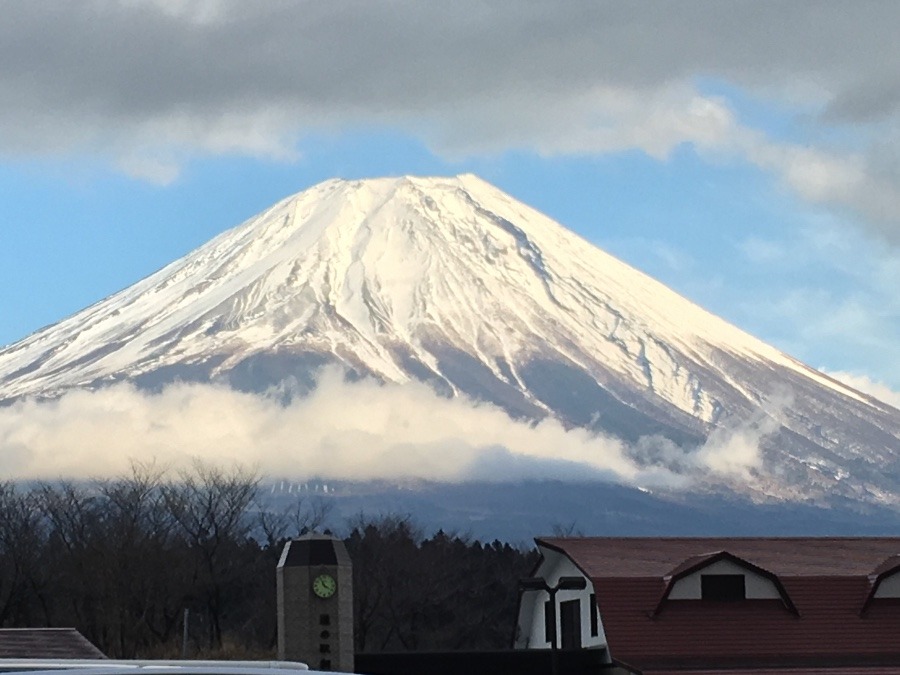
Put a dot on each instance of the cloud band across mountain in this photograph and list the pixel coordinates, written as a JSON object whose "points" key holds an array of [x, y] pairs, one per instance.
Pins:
{"points": [[353, 431]]}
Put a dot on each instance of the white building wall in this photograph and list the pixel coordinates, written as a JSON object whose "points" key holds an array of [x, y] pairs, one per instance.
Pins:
{"points": [[757, 586], [530, 633], [889, 587]]}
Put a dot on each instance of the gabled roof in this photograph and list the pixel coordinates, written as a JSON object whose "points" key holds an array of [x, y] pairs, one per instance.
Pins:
{"points": [[886, 569], [826, 579], [699, 562], [46, 643]]}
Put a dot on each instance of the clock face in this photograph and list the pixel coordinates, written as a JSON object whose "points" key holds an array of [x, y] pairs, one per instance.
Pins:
{"points": [[324, 585]]}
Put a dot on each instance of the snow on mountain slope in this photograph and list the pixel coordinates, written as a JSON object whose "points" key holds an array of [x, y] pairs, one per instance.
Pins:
{"points": [[450, 281]]}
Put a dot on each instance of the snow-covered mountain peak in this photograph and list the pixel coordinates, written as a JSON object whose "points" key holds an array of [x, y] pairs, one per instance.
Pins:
{"points": [[452, 282], [375, 271]]}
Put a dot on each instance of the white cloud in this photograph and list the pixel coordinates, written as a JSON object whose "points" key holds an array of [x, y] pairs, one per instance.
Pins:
{"points": [[599, 119], [867, 385], [736, 449], [360, 430]]}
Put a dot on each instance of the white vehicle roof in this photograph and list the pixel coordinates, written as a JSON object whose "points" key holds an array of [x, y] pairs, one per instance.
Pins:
{"points": [[152, 667]]}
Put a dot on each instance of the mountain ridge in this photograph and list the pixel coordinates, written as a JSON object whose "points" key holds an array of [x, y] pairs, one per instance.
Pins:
{"points": [[184, 268], [452, 282]]}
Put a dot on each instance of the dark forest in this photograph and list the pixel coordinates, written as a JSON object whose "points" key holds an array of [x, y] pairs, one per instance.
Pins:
{"points": [[126, 561]]}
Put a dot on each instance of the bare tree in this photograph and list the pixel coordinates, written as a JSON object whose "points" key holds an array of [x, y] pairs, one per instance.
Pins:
{"points": [[210, 508], [73, 593], [140, 564], [569, 529], [298, 517], [21, 542]]}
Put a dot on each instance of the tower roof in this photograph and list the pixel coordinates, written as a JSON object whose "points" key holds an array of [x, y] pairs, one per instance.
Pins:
{"points": [[314, 549]]}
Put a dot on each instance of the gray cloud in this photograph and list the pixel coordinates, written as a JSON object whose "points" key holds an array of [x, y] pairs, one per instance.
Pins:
{"points": [[150, 83], [133, 58]]}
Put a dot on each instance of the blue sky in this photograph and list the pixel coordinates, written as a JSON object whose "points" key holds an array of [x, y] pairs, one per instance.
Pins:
{"points": [[744, 153]]}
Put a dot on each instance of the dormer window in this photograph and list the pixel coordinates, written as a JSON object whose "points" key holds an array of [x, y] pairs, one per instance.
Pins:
{"points": [[721, 577], [723, 587], [884, 582]]}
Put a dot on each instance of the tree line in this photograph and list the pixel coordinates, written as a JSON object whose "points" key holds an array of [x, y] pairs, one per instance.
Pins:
{"points": [[129, 561]]}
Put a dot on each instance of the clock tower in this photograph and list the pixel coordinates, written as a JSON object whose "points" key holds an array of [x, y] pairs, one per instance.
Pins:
{"points": [[315, 603]]}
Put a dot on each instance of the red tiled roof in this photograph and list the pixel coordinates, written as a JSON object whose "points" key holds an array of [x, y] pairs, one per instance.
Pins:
{"points": [[828, 581], [46, 643], [784, 556], [887, 566]]}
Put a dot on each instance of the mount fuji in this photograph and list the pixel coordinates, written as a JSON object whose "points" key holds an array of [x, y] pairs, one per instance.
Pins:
{"points": [[451, 282]]}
